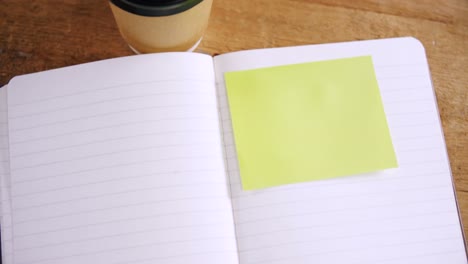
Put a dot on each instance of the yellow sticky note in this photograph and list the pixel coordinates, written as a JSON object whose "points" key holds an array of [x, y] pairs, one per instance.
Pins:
{"points": [[309, 121]]}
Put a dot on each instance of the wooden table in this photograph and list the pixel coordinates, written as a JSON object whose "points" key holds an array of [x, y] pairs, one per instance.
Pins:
{"points": [[39, 35]]}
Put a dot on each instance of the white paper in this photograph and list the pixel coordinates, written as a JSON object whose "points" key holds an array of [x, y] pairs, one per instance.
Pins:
{"points": [[119, 161], [403, 215], [5, 211]]}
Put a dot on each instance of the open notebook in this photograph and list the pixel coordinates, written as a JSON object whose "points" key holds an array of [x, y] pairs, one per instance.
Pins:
{"points": [[131, 160]]}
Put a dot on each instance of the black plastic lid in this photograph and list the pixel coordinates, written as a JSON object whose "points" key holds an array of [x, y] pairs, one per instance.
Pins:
{"points": [[155, 7]]}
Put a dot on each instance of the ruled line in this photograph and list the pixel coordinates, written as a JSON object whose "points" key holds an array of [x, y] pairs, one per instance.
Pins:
{"points": [[77, 132], [399, 101], [341, 237], [276, 192], [399, 77], [123, 220], [114, 139], [422, 255], [55, 162], [245, 208], [115, 180], [14, 180], [349, 250], [104, 114], [103, 102], [285, 216], [133, 247], [412, 88], [408, 113], [117, 235], [178, 80], [414, 125], [381, 178], [107, 208], [178, 256], [103, 195]]}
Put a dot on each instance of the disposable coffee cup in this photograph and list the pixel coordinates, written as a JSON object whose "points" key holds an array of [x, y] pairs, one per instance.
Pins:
{"points": [[161, 25]]}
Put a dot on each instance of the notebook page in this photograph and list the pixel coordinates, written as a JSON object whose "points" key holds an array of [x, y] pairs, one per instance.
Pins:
{"points": [[5, 211], [119, 161], [403, 215]]}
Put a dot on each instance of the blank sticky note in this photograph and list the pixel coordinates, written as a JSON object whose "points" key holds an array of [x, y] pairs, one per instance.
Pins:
{"points": [[310, 121]]}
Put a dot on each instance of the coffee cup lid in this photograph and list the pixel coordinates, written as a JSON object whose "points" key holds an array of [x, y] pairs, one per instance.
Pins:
{"points": [[155, 7]]}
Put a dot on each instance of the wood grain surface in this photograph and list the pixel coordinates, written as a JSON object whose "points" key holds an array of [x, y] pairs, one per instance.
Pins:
{"points": [[37, 35]]}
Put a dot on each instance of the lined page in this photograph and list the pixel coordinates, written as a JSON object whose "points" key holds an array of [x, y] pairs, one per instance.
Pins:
{"points": [[5, 210], [403, 215], [120, 161]]}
